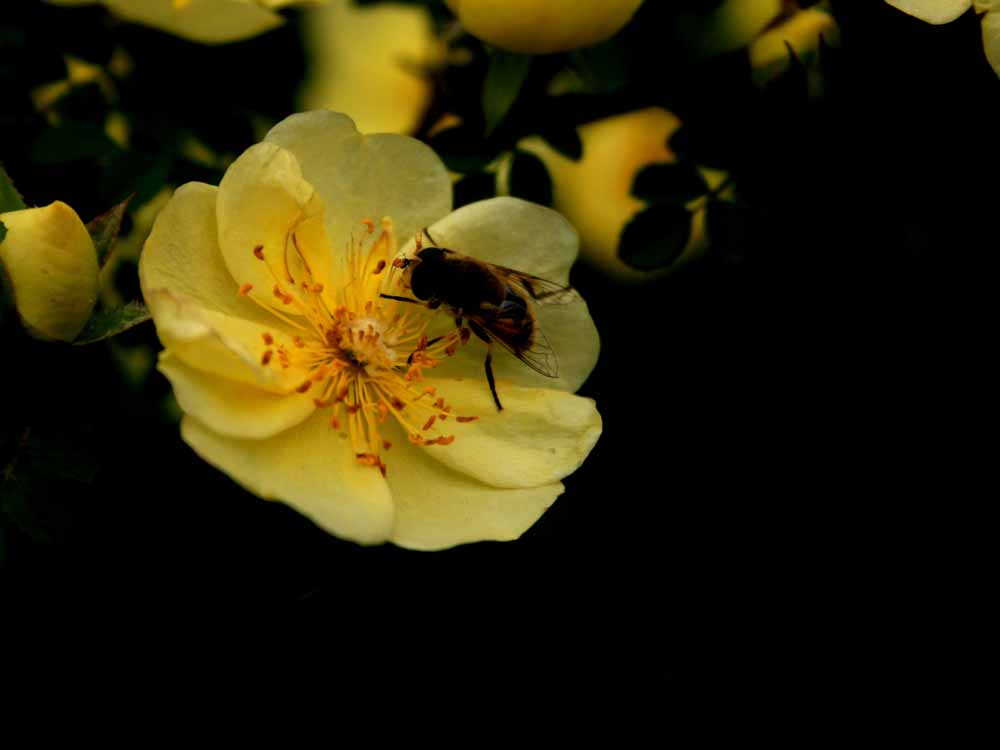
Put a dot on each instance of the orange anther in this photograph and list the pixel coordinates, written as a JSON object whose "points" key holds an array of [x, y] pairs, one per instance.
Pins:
{"points": [[397, 404], [245, 289], [429, 423], [320, 403], [298, 342], [422, 344], [450, 349], [430, 390], [383, 411], [369, 225], [386, 444], [466, 419], [416, 438], [317, 288], [277, 291], [258, 252], [305, 386], [445, 440], [286, 300], [268, 338], [439, 403], [266, 357], [334, 422], [352, 408], [379, 268]]}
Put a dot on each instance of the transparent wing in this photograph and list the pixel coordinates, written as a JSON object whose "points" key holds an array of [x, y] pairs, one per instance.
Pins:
{"points": [[542, 291], [540, 356]]}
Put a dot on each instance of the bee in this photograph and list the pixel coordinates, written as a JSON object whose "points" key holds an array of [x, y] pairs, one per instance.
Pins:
{"points": [[496, 302]]}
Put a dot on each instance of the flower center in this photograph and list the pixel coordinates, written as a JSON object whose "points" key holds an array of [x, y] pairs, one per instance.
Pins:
{"points": [[364, 355]]}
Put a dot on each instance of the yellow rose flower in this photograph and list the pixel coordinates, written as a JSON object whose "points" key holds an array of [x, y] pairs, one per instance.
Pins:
{"points": [[542, 26], [946, 11], [207, 21], [51, 263], [371, 61], [306, 386], [595, 192]]}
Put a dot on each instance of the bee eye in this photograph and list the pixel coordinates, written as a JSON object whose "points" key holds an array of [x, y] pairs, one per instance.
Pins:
{"points": [[430, 254]]}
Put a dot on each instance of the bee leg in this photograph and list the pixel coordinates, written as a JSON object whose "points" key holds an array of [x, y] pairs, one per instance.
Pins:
{"points": [[481, 333], [401, 299], [424, 231]]}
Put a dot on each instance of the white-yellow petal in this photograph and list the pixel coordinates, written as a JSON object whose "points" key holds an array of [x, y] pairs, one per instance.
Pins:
{"points": [[540, 436], [309, 467], [365, 176], [206, 21], [933, 11], [536, 240], [232, 408], [437, 507], [991, 39], [262, 200], [51, 262]]}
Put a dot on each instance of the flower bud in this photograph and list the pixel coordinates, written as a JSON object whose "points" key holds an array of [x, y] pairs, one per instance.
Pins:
{"points": [[51, 263], [542, 26]]}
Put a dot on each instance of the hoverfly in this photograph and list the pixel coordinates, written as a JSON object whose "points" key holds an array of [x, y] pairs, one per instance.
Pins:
{"points": [[496, 302]]}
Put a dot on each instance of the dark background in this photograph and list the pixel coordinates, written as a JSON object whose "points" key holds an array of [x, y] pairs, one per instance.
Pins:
{"points": [[765, 516]]}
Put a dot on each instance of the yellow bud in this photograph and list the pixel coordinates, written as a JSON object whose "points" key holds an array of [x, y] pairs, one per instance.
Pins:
{"points": [[51, 263], [542, 26]]}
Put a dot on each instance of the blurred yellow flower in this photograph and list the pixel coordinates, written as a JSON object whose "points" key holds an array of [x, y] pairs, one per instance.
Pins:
{"points": [[51, 263], [306, 386], [371, 61], [207, 21], [945, 11], [543, 26], [595, 193], [802, 30]]}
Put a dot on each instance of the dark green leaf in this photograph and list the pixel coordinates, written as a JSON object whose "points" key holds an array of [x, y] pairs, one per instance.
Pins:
{"points": [[474, 187], [728, 226], [602, 67], [462, 150], [104, 230], [72, 141], [676, 183], [10, 199], [564, 139], [503, 83], [529, 179], [655, 238], [3, 231], [105, 323]]}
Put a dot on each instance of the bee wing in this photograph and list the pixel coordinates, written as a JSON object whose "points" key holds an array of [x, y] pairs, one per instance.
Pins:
{"points": [[540, 356], [541, 291]]}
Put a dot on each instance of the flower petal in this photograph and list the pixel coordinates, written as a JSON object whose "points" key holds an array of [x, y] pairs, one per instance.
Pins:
{"points": [[991, 39], [230, 408], [933, 11], [365, 176], [540, 436], [198, 312], [309, 467], [263, 203], [437, 507], [534, 239], [207, 21]]}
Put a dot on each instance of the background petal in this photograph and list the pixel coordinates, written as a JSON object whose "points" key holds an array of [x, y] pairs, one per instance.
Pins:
{"points": [[309, 467], [365, 176], [437, 507], [933, 11], [540, 436], [231, 408], [208, 21], [991, 39], [534, 239]]}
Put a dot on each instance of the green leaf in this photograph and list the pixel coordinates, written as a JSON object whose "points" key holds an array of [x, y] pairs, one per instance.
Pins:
{"points": [[474, 187], [503, 82], [655, 238], [564, 138], [105, 323], [72, 141], [676, 183], [462, 150], [529, 179], [728, 227], [104, 230], [10, 199]]}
